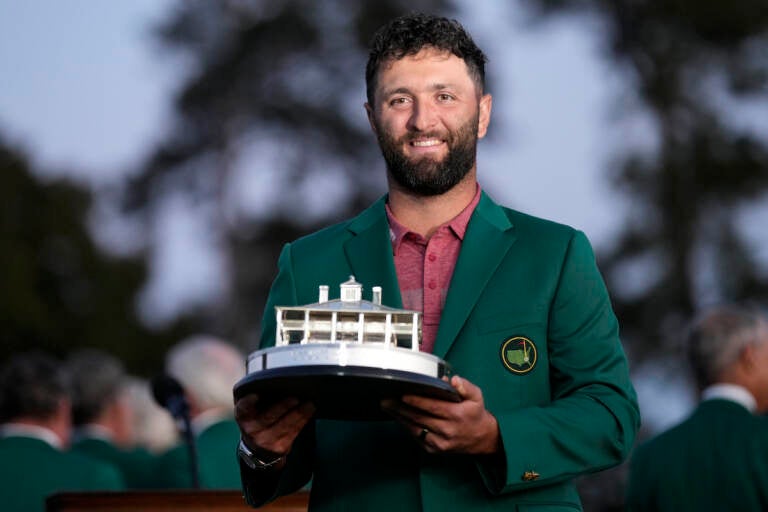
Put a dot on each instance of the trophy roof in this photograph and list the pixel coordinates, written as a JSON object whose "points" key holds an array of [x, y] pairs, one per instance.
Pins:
{"points": [[350, 301], [362, 306]]}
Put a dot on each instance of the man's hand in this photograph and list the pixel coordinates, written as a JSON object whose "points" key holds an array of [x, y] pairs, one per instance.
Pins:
{"points": [[269, 429], [447, 427]]}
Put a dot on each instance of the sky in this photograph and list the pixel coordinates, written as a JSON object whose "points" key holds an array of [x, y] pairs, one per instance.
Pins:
{"points": [[85, 90], [82, 86]]}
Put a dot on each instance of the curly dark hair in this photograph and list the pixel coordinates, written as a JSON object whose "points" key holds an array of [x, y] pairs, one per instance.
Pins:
{"points": [[409, 34]]}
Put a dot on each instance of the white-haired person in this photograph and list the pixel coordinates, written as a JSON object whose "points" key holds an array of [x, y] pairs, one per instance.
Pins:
{"points": [[207, 368], [717, 459]]}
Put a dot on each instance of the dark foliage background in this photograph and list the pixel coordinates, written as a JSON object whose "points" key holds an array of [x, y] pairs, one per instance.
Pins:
{"points": [[689, 60], [59, 291]]}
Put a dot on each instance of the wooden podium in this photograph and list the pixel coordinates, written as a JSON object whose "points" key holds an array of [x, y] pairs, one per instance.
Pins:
{"points": [[166, 501]]}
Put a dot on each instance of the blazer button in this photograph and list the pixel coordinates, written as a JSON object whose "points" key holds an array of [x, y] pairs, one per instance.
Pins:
{"points": [[530, 476]]}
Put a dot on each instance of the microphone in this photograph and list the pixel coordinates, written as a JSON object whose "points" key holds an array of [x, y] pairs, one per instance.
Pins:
{"points": [[169, 394]]}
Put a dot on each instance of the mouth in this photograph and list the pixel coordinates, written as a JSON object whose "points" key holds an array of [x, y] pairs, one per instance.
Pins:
{"points": [[426, 143]]}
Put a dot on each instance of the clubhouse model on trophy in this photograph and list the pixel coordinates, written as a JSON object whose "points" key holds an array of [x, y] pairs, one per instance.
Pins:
{"points": [[346, 355]]}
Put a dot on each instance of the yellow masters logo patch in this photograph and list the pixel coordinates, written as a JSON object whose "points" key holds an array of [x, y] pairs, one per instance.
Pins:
{"points": [[519, 355]]}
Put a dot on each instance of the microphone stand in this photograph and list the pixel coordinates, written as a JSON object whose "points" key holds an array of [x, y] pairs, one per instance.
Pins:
{"points": [[189, 439], [170, 395]]}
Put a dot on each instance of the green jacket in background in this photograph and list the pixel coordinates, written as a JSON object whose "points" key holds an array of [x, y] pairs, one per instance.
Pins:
{"points": [[31, 470], [217, 464], [517, 278], [138, 466], [714, 461]]}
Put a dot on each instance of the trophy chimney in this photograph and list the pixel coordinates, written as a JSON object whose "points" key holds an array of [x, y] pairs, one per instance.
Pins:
{"points": [[323, 293]]}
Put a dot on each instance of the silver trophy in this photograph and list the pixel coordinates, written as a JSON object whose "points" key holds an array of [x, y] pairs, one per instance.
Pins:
{"points": [[346, 355]]}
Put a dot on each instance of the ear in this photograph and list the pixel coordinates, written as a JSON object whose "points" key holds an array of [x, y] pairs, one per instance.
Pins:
{"points": [[371, 117], [748, 358], [484, 116]]}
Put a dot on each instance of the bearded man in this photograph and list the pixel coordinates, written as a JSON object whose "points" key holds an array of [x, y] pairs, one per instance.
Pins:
{"points": [[489, 281]]}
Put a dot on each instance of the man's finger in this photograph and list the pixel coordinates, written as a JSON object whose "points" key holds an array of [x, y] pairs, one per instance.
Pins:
{"points": [[278, 437], [279, 409], [466, 390], [246, 403], [263, 414]]}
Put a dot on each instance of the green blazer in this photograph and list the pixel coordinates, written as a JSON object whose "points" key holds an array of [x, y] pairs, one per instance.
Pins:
{"points": [[31, 470], [138, 466], [518, 281], [217, 465], [716, 460]]}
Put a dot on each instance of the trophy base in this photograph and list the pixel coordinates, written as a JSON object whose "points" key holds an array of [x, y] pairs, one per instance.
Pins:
{"points": [[343, 392]]}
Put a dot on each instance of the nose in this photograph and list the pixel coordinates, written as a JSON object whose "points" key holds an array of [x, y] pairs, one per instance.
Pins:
{"points": [[423, 117]]}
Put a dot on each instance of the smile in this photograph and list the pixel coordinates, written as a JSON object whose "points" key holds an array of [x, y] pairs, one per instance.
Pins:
{"points": [[426, 143]]}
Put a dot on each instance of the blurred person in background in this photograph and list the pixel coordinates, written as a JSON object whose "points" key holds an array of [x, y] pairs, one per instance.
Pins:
{"points": [[103, 416], [153, 427], [207, 368], [35, 431], [717, 459]]}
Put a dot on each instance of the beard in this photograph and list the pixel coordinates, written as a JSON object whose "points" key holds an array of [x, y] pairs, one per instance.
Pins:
{"points": [[426, 176]]}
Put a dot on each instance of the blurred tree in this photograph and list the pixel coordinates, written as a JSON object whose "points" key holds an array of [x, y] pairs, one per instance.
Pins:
{"points": [[272, 108], [58, 290], [696, 66]]}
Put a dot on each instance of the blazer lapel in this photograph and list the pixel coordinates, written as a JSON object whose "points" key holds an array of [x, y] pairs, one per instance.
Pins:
{"points": [[369, 254], [489, 236]]}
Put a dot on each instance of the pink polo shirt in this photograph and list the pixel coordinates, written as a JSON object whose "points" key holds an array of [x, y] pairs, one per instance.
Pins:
{"points": [[425, 267]]}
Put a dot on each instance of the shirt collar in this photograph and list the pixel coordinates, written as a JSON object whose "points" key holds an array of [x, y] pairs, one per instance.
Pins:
{"points": [[33, 431], [732, 392], [458, 225]]}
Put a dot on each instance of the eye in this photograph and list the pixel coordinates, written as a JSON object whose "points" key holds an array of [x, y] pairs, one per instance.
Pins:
{"points": [[444, 96], [400, 100]]}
